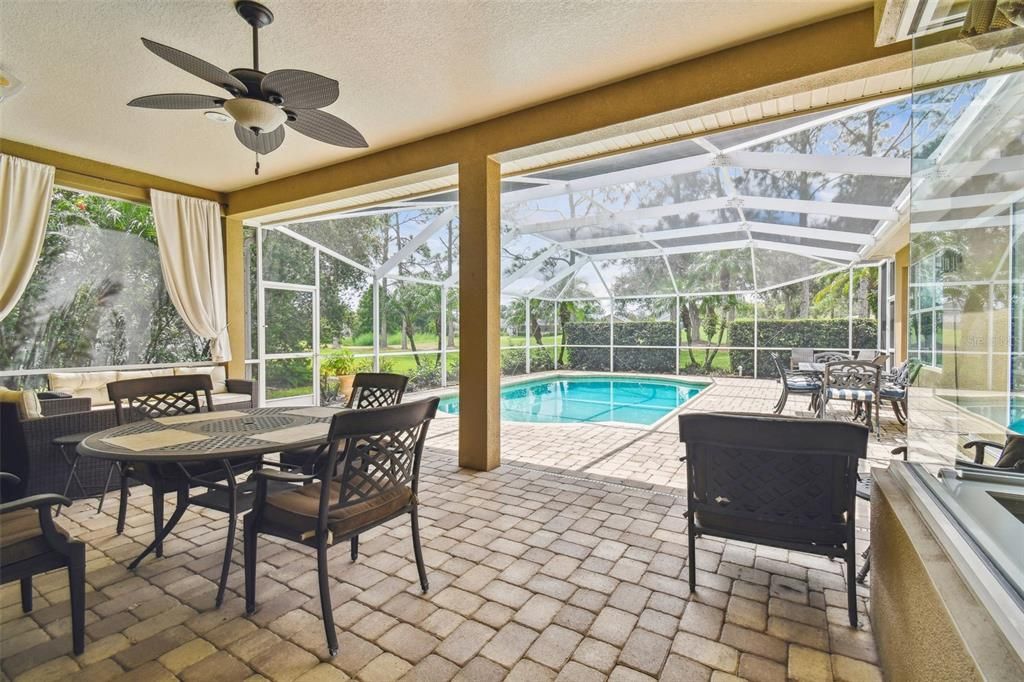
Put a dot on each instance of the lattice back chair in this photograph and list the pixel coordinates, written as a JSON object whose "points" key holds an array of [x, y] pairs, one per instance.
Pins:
{"points": [[781, 481], [166, 396], [796, 382], [858, 382], [370, 476], [369, 389], [377, 389], [150, 398], [171, 396]]}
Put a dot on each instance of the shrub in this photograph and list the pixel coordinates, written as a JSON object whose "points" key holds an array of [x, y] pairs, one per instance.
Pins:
{"points": [[338, 362], [813, 333], [424, 377], [655, 360], [513, 360]]}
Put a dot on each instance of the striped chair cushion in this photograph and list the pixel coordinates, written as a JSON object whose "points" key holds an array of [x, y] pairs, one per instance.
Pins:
{"points": [[893, 393], [862, 395], [802, 384]]}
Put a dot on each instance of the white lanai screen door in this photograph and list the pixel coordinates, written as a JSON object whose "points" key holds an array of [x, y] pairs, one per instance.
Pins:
{"points": [[288, 326]]}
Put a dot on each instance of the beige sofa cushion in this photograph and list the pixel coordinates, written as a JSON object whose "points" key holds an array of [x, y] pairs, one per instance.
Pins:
{"points": [[94, 384], [84, 385], [124, 375], [217, 374]]}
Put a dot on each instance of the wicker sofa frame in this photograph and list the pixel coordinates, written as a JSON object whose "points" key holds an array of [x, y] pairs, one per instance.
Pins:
{"points": [[28, 452]]}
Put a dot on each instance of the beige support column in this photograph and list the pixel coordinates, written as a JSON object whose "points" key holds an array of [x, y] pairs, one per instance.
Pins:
{"points": [[902, 292], [234, 280], [479, 320]]}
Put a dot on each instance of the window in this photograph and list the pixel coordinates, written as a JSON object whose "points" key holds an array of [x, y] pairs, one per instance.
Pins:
{"points": [[97, 295], [926, 309]]}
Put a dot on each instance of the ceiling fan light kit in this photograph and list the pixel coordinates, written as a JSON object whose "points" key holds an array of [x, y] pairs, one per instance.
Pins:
{"points": [[255, 114], [260, 103]]}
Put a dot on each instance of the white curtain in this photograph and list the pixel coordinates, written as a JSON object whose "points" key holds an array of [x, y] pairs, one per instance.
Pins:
{"points": [[25, 192], [189, 235]]}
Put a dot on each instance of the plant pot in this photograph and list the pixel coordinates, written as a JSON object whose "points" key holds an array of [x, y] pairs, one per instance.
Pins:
{"points": [[345, 385]]}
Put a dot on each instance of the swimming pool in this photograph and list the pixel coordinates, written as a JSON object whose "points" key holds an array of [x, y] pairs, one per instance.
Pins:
{"points": [[629, 400]]}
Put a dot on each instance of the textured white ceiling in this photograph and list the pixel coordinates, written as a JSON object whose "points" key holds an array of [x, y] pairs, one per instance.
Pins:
{"points": [[407, 68]]}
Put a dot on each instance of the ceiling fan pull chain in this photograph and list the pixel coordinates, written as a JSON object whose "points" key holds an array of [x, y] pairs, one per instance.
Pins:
{"points": [[257, 163]]}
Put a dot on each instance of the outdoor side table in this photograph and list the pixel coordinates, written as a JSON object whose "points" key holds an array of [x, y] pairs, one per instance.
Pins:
{"points": [[222, 437], [71, 441]]}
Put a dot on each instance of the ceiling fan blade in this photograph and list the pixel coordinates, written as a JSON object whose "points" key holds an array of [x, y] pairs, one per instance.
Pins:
{"points": [[177, 101], [264, 143], [300, 89], [197, 67], [326, 128]]}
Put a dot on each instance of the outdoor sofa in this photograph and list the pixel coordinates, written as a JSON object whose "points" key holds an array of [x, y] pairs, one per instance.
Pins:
{"points": [[27, 446]]}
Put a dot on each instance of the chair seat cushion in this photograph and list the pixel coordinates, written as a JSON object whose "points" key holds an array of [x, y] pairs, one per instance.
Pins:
{"points": [[21, 537], [851, 394], [893, 393], [296, 510], [803, 384]]}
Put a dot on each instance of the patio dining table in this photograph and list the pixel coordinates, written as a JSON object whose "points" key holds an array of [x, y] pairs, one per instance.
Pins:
{"points": [[225, 437]]}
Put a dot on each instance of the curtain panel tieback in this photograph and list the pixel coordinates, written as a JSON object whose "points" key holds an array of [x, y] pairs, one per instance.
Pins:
{"points": [[191, 243], [26, 188]]}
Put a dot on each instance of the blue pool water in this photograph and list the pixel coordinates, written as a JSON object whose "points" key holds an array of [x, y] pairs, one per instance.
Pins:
{"points": [[589, 399]]}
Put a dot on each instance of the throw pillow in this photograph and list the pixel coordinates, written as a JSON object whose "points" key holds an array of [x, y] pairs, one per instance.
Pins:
{"points": [[27, 402], [30, 407]]}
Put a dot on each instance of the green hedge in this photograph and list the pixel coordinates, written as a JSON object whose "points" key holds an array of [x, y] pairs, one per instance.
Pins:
{"points": [[513, 361], [656, 360], [813, 333]]}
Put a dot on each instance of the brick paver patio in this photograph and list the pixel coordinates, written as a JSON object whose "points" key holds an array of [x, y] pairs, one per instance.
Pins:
{"points": [[566, 563]]}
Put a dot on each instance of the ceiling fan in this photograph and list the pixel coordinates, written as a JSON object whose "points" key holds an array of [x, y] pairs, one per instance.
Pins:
{"points": [[261, 104]]}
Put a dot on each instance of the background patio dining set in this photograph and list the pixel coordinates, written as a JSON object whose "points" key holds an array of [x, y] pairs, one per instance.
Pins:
{"points": [[863, 382]]}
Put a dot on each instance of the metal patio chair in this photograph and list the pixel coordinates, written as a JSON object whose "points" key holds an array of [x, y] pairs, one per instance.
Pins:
{"points": [[827, 356], [374, 479], [168, 396], [780, 481], [31, 543], [796, 382], [369, 389], [857, 382]]}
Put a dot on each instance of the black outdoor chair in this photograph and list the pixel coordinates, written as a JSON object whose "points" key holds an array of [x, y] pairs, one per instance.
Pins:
{"points": [[780, 481], [373, 480], [169, 396], [858, 382], [796, 382], [369, 389], [31, 543], [1010, 454]]}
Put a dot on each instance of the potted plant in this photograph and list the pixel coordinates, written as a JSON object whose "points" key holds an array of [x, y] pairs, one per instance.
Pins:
{"points": [[343, 365]]}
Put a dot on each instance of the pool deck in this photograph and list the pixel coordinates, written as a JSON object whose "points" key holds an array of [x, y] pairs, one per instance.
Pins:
{"points": [[566, 563]]}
